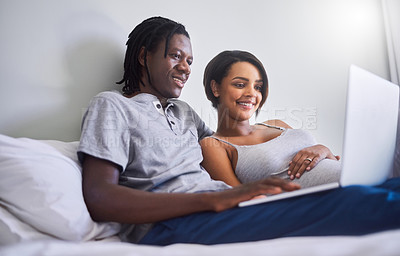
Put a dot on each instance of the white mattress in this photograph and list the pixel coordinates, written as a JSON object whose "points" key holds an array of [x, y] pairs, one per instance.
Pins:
{"points": [[384, 243]]}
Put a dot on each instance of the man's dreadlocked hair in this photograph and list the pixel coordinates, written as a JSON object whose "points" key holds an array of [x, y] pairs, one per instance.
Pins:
{"points": [[147, 34]]}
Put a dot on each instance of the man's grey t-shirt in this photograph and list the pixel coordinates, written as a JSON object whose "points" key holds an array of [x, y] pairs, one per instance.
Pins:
{"points": [[156, 149]]}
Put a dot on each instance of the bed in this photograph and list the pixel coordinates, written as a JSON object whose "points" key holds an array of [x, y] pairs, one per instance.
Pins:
{"points": [[42, 212]]}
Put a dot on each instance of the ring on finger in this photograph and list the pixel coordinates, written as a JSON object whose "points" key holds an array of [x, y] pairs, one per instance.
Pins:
{"points": [[308, 159]]}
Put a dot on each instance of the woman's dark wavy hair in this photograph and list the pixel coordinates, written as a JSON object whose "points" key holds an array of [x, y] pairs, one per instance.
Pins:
{"points": [[219, 67], [147, 34]]}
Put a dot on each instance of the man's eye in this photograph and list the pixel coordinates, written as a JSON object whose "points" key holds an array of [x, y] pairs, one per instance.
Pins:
{"points": [[176, 56]]}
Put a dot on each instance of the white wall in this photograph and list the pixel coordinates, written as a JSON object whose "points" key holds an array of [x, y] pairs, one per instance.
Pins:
{"points": [[55, 55]]}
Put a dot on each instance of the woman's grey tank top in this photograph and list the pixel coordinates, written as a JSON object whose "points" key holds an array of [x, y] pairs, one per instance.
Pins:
{"points": [[272, 158]]}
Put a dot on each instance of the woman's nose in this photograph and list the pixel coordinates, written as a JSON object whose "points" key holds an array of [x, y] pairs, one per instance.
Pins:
{"points": [[251, 91]]}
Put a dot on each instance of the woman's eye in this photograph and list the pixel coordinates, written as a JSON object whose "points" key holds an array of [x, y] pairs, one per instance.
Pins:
{"points": [[258, 87], [239, 85]]}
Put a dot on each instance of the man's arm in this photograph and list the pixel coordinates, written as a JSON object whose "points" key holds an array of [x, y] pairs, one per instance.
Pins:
{"points": [[108, 201]]}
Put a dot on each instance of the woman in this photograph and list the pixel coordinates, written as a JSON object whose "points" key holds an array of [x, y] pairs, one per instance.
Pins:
{"points": [[237, 85]]}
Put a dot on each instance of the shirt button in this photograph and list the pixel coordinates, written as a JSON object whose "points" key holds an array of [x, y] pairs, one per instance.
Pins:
{"points": [[158, 106], [172, 122]]}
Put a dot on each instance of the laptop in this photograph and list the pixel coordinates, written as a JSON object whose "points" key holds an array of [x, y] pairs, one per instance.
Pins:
{"points": [[369, 141]]}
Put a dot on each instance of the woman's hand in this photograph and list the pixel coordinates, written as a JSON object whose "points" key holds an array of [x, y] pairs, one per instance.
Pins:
{"points": [[308, 158]]}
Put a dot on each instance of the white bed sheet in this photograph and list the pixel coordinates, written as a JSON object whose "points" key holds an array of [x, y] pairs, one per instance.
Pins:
{"points": [[382, 244]]}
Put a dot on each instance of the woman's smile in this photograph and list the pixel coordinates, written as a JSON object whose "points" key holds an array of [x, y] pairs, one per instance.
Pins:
{"points": [[246, 105]]}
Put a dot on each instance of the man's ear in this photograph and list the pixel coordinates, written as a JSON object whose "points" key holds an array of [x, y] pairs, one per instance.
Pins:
{"points": [[141, 56], [214, 88]]}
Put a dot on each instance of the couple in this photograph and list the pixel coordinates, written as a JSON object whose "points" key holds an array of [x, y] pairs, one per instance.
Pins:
{"points": [[142, 160]]}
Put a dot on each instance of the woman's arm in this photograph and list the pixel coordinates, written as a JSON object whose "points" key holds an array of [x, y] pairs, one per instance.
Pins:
{"points": [[217, 163], [108, 201]]}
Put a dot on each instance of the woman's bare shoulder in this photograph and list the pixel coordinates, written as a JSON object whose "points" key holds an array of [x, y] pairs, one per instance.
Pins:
{"points": [[210, 142], [277, 122]]}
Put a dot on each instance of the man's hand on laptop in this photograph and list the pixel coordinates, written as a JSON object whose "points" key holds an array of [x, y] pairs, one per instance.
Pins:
{"points": [[230, 198]]}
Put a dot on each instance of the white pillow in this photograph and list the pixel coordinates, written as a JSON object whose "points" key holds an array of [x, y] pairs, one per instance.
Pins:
{"points": [[40, 185], [12, 230]]}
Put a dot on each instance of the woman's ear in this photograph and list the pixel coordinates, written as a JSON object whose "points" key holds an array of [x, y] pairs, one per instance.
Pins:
{"points": [[141, 56], [214, 88]]}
